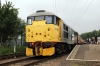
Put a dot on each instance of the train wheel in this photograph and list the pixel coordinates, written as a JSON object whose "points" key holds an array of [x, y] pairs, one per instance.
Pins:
{"points": [[63, 48], [58, 49]]}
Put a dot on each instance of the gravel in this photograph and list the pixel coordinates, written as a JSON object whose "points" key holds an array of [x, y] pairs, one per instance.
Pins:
{"points": [[54, 62]]}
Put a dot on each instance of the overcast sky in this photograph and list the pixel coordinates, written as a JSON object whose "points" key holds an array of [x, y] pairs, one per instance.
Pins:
{"points": [[82, 15]]}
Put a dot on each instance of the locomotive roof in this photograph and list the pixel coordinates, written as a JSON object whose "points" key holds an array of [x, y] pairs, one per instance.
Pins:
{"points": [[42, 12]]}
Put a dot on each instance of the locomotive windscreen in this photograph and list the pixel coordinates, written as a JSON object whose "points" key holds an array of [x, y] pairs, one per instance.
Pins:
{"points": [[49, 19]]}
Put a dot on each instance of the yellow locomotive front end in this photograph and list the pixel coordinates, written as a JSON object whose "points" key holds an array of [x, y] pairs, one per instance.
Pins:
{"points": [[42, 33]]}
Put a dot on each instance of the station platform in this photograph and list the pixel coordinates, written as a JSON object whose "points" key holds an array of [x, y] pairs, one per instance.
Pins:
{"points": [[87, 52]]}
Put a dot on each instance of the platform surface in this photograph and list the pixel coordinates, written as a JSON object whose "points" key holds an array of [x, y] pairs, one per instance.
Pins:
{"points": [[85, 52]]}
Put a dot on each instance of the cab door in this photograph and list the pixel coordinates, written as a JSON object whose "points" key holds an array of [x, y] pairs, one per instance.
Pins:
{"points": [[60, 29]]}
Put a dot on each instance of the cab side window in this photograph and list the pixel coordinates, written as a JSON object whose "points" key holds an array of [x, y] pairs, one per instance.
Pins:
{"points": [[56, 21]]}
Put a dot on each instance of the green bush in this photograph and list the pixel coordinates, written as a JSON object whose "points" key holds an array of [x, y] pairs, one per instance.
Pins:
{"points": [[10, 50]]}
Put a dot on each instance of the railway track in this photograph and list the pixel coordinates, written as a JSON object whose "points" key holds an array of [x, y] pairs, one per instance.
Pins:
{"points": [[28, 61], [9, 56]]}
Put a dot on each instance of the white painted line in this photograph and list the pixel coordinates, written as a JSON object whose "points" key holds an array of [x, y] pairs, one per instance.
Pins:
{"points": [[83, 60], [71, 52]]}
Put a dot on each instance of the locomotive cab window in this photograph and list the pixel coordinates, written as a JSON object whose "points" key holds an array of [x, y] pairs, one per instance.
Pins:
{"points": [[39, 17], [29, 20], [48, 19]]}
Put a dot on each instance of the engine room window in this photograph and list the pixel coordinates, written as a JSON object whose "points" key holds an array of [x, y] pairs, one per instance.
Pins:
{"points": [[39, 18], [48, 19]]}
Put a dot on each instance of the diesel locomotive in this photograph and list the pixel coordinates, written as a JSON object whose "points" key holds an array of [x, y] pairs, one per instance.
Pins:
{"points": [[47, 34]]}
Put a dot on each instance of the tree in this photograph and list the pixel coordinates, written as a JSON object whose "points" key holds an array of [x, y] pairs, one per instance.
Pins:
{"points": [[2, 25], [10, 15], [22, 29], [10, 24], [19, 29], [90, 34], [99, 33]]}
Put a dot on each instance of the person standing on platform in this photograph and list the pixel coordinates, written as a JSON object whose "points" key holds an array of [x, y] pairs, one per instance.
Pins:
{"points": [[91, 40], [95, 37]]}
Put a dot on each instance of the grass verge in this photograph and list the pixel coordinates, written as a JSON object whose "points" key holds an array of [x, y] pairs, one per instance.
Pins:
{"points": [[10, 50]]}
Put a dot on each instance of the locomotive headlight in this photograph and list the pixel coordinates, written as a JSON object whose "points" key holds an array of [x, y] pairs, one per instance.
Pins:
{"points": [[31, 43], [45, 35], [28, 30], [32, 36], [48, 29]]}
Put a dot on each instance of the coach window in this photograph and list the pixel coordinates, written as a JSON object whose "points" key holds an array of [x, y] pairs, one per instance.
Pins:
{"points": [[48, 19]]}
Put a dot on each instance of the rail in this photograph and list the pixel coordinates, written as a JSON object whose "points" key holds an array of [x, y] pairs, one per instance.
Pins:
{"points": [[14, 55]]}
